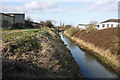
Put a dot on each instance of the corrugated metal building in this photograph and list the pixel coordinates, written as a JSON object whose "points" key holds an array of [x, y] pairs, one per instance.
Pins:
{"points": [[9, 19], [6, 20], [18, 18]]}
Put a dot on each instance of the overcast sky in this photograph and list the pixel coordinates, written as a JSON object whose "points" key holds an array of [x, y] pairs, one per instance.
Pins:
{"points": [[71, 12]]}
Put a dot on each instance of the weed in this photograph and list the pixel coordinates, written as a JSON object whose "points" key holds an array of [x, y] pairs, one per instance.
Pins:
{"points": [[26, 43], [46, 34]]}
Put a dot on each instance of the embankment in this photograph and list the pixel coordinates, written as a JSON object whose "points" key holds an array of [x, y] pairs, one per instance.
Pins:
{"points": [[37, 53], [102, 43]]}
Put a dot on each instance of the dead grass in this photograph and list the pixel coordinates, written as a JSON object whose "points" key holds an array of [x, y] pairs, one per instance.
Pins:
{"points": [[105, 39]]}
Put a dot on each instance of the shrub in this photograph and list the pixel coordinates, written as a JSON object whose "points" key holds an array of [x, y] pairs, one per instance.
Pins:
{"points": [[72, 31], [68, 26], [49, 24]]}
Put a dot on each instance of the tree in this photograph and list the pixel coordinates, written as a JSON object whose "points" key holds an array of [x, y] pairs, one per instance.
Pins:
{"points": [[29, 19], [57, 27], [49, 24], [68, 26], [93, 23], [63, 24], [29, 22], [60, 24], [53, 22], [42, 23]]}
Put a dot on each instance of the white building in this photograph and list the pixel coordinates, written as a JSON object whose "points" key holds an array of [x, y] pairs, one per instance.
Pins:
{"points": [[82, 26], [109, 24]]}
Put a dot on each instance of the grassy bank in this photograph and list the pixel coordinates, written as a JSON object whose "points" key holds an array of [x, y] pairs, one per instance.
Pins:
{"points": [[102, 43], [36, 53]]}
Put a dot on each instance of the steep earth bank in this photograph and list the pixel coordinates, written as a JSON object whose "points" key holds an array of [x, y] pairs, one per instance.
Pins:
{"points": [[37, 53]]}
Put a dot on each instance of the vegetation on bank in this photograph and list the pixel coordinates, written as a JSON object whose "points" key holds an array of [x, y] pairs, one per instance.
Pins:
{"points": [[9, 35], [36, 53], [106, 39], [72, 30], [65, 27]]}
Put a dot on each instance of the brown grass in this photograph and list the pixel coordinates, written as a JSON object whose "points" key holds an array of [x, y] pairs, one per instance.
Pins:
{"points": [[105, 39], [103, 55]]}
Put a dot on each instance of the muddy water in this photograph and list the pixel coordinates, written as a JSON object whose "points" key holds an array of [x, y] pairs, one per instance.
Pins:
{"points": [[89, 66]]}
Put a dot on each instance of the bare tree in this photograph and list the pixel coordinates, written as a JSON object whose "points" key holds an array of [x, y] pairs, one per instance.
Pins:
{"points": [[53, 22], [42, 23], [29, 19], [49, 23], [29, 22], [93, 23]]}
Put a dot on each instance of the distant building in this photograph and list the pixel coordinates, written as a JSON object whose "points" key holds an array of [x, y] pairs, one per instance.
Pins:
{"points": [[82, 25], [109, 24], [9, 19], [6, 20], [18, 18]]}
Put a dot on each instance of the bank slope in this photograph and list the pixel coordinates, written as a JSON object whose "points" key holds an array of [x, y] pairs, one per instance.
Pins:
{"points": [[104, 44], [37, 53]]}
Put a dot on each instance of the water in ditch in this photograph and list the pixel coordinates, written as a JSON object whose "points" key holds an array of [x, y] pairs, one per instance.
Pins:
{"points": [[89, 66]]}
